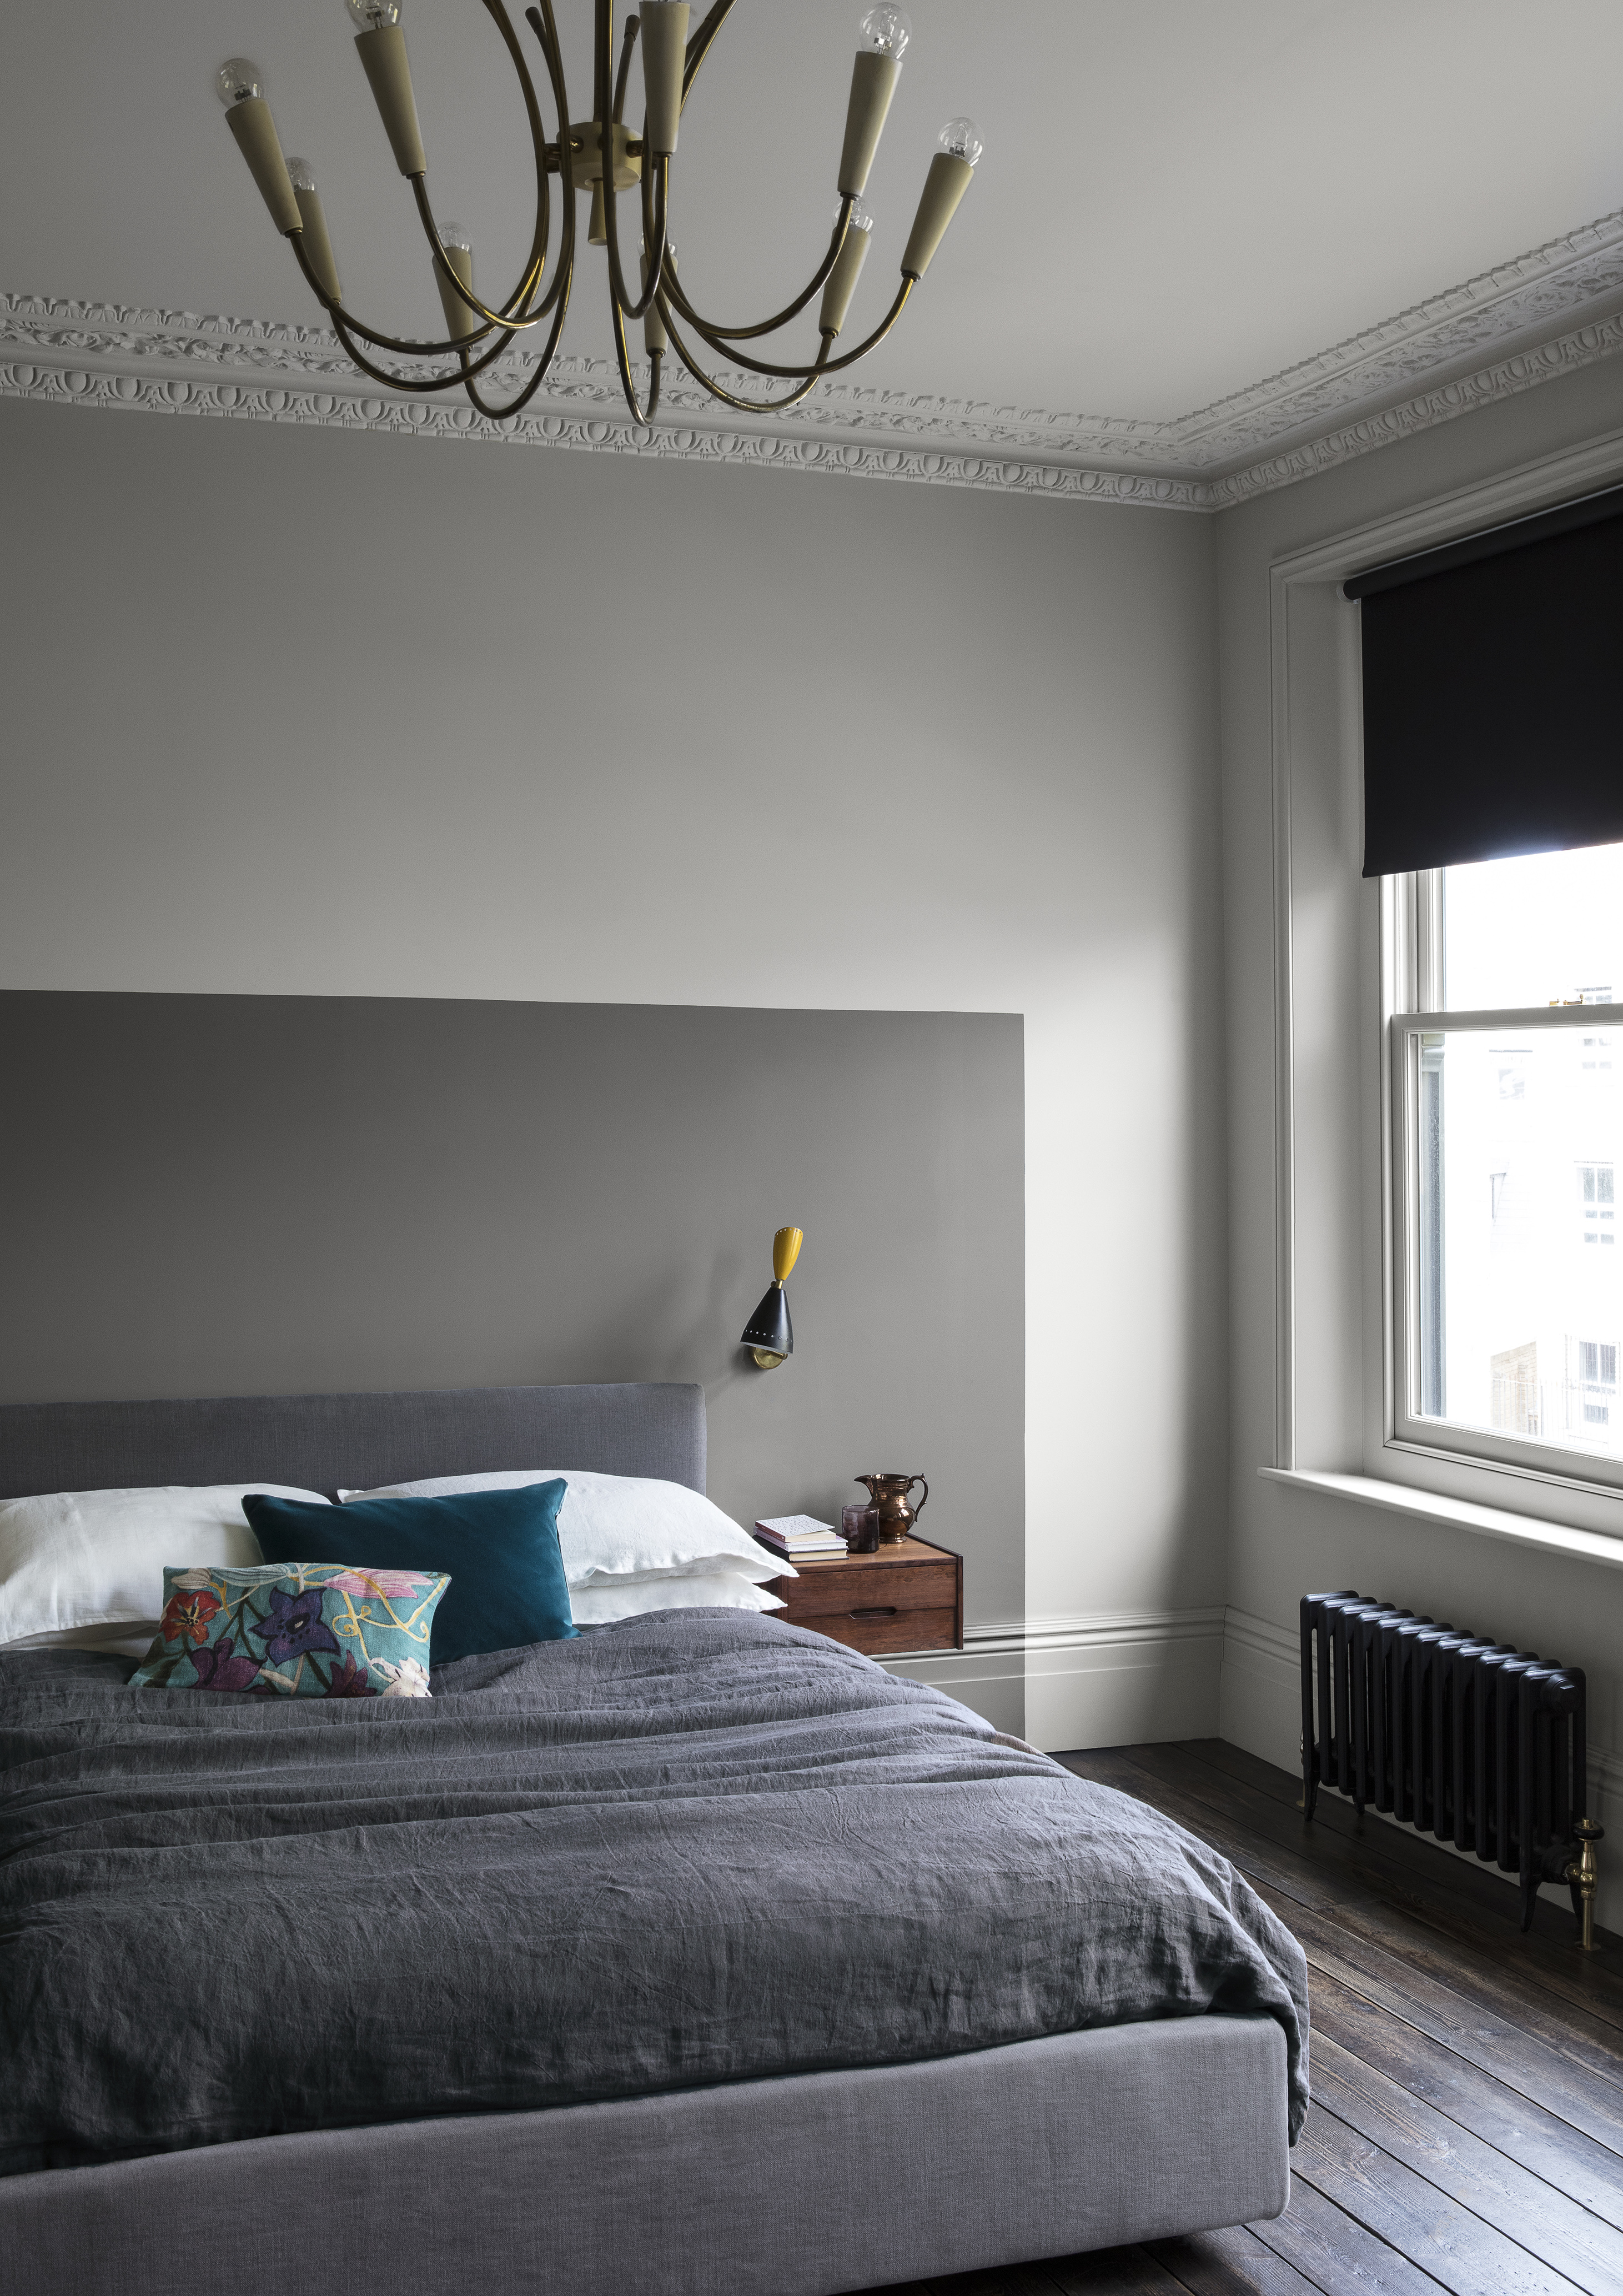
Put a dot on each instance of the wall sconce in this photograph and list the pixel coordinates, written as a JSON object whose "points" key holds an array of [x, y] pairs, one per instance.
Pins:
{"points": [[769, 1333]]}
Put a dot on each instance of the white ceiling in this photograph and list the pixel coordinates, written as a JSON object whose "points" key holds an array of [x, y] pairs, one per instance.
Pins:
{"points": [[1178, 198]]}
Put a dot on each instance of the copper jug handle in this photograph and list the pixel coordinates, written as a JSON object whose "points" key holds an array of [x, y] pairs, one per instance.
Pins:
{"points": [[919, 1510]]}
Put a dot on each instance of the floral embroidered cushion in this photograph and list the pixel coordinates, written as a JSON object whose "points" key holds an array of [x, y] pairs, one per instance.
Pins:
{"points": [[295, 1630]]}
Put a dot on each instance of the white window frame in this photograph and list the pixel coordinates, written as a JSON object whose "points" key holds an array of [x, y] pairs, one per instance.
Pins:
{"points": [[1347, 955], [1408, 1430]]}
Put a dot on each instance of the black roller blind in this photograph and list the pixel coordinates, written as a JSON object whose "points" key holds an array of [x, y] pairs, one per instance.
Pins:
{"points": [[1492, 693]]}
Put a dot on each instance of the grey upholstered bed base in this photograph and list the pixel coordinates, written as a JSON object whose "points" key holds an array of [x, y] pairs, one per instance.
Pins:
{"points": [[802, 2186]]}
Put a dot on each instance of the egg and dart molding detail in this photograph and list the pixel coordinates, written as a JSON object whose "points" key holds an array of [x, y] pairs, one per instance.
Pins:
{"points": [[603, 155]]}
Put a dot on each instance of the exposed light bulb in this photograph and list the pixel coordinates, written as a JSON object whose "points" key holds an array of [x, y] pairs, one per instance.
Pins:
{"points": [[301, 175], [961, 139], [861, 220], [236, 80], [886, 30], [452, 235], [373, 15]]}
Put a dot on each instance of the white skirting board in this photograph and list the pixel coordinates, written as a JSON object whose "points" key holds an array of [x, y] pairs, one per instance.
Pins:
{"points": [[1115, 1679], [1261, 1711]]}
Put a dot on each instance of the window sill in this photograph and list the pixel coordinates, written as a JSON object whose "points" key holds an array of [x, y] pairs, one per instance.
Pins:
{"points": [[1462, 1515]]}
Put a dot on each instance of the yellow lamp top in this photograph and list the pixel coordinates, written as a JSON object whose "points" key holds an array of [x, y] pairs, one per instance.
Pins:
{"points": [[785, 1251]]}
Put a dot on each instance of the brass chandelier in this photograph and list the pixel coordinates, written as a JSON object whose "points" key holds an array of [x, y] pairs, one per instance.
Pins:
{"points": [[603, 154]]}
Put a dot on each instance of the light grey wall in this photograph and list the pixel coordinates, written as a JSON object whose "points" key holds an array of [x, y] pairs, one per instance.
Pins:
{"points": [[1285, 1542], [227, 1195], [300, 712]]}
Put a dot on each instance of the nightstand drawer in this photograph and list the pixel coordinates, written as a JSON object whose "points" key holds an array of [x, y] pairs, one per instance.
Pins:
{"points": [[871, 1629], [837, 1589]]}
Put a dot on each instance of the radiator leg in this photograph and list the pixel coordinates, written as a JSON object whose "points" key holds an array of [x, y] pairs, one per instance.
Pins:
{"points": [[1583, 1875], [1529, 1899], [1310, 1779]]}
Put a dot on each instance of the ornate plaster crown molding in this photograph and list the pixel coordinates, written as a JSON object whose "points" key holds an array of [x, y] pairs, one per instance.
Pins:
{"points": [[1558, 308]]}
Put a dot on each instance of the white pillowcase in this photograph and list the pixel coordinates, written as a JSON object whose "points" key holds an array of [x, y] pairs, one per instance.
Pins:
{"points": [[608, 1599], [73, 1561], [621, 1527]]}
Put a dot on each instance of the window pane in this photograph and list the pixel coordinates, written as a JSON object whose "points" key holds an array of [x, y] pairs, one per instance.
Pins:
{"points": [[1544, 930], [1521, 1275]]}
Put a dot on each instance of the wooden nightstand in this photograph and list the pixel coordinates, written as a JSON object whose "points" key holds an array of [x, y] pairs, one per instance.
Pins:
{"points": [[902, 1598]]}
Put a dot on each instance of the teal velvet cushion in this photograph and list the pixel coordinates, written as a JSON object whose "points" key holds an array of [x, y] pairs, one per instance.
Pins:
{"points": [[507, 1587], [295, 1630]]}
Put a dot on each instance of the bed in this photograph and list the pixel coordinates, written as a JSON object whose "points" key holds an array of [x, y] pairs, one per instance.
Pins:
{"points": [[697, 1955]]}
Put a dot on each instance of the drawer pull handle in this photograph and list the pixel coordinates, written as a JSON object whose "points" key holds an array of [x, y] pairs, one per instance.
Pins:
{"points": [[887, 1611]]}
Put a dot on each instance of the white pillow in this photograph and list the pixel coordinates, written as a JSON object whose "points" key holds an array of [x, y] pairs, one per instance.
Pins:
{"points": [[620, 1527], [608, 1599], [78, 1559]]}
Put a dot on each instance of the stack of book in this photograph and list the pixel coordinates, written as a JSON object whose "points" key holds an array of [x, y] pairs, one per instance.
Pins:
{"points": [[800, 1538]]}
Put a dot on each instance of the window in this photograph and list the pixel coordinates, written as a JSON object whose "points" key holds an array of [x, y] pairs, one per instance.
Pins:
{"points": [[1591, 1395], [1507, 1135], [1599, 1206]]}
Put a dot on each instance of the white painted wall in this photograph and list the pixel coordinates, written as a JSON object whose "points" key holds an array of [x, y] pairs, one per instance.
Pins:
{"points": [[297, 711], [1286, 1542]]}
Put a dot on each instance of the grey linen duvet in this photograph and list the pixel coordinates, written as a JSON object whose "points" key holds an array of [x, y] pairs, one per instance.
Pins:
{"points": [[698, 1846]]}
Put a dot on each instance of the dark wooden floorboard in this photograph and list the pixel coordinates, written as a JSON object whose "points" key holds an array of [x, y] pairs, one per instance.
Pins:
{"points": [[1499, 2190], [1472, 1898], [1586, 2100], [1297, 1858], [1409, 2212], [1561, 2155], [1466, 2132], [1339, 2254]]}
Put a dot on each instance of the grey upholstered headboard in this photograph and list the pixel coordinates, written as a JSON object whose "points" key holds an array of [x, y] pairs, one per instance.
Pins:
{"points": [[321, 1442]]}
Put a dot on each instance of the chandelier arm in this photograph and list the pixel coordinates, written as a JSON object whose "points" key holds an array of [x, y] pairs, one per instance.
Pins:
{"points": [[824, 366], [602, 59], [344, 326], [348, 324], [513, 310], [638, 414], [711, 332], [514, 313], [749, 405], [516, 406], [699, 45], [634, 25], [349, 327], [543, 24], [872, 341], [654, 239]]}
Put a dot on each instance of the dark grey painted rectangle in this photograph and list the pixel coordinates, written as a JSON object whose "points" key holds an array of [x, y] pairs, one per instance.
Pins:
{"points": [[231, 1195]]}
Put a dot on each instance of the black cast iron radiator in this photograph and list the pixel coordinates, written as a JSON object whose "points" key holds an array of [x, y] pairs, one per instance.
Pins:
{"points": [[1475, 1741]]}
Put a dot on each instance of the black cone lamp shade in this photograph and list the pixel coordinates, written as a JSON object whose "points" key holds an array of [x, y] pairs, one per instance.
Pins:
{"points": [[769, 1332]]}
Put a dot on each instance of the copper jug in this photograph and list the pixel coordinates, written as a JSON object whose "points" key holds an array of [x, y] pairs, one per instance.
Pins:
{"points": [[889, 1493]]}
